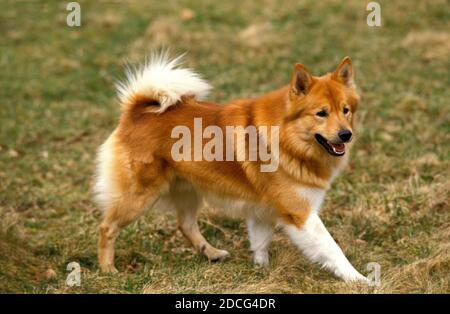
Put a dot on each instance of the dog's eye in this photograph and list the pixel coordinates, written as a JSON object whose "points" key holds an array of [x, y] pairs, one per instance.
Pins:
{"points": [[346, 110], [322, 113]]}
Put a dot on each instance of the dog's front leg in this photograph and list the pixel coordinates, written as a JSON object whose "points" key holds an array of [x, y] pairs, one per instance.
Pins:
{"points": [[314, 240], [260, 235]]}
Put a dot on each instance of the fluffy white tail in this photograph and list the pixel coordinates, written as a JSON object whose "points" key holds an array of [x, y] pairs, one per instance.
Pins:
{"points": [[161, 79]]}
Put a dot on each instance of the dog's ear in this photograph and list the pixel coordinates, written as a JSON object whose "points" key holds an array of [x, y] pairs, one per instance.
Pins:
{"points": [[344, 73], [301, 80]]}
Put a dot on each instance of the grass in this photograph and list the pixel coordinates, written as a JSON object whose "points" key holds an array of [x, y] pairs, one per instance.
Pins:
{"points": [[391, 206]]}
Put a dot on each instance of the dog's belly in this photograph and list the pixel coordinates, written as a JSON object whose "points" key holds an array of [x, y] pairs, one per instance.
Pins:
{"points": [[230, 206], [237, 207]]}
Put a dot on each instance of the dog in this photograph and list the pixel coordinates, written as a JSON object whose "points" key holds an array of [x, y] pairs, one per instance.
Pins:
{"points": [[136, 167]]}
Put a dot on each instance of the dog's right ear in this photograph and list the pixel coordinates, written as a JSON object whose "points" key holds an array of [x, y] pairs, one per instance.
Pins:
{"points": [[344, 73], [301, 80]]}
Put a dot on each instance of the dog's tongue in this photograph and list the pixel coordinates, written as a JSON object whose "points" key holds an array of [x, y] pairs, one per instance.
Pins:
{"points": [[338, 148]]}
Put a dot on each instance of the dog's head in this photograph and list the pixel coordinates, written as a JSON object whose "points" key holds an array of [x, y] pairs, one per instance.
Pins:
{"points": [[321, 109]]}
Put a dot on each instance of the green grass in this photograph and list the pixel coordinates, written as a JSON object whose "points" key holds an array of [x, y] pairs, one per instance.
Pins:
{"points": [[391, 206]]}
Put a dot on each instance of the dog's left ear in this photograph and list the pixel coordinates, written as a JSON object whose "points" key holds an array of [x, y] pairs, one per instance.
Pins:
{"points": [[344, 73]]}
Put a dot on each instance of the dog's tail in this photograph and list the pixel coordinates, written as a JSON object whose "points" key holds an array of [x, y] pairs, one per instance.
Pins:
{"points": [[160, 82]]}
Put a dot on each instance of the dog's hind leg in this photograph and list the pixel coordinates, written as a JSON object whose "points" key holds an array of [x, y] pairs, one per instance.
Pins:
{"points": [[124, 189], [117, 216], [187, 202]]}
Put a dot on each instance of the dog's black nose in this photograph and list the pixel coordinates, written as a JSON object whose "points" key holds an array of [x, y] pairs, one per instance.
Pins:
{"points": [[345, 135]]}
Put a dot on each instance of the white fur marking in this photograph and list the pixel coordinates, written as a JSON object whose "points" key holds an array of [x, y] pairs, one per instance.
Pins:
{"points": [[161, 78], [334, 173], [318, 246], [314, 196], [260, 235], [104, 187]]}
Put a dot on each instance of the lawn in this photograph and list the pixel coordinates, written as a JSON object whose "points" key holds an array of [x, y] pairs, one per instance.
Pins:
{"points": [[58, 103]]}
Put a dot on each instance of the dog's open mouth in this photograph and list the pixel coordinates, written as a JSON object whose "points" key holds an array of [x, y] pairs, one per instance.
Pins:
{"points": [[333, 149]]}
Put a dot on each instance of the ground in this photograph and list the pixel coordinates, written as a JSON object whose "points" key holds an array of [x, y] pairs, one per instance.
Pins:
{"points": [[391, 206]]}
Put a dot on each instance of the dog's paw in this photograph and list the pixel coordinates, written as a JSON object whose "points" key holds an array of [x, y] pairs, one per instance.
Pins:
{"points": [[216, 255], [109, 269], [261, 259], [355, 277]]}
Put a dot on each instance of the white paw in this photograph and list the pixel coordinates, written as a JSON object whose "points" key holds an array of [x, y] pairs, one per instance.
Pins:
{"points": [[354, 276], [349, 274], [261, 259]]}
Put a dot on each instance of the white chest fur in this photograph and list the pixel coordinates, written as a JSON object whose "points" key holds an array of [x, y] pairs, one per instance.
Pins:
{"points": [[334, 173], [314, 196]]}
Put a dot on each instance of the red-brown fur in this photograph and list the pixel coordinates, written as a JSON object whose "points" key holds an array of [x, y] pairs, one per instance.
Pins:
{"points": [[144, 168]]}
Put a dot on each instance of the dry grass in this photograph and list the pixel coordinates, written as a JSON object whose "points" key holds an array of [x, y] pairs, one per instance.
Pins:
{"points": [[391, 206]]}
